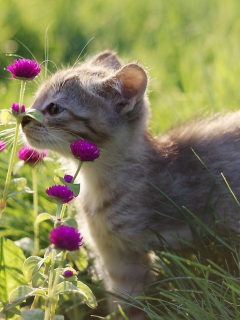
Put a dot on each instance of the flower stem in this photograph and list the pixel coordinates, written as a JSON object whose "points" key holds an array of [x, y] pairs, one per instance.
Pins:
{"points": [[78, 169], [50, 282], [9, 173], [59, 210], [3, 201], [35, 210], [51, 300], [35, 302], [64, 206], [22, 90]]}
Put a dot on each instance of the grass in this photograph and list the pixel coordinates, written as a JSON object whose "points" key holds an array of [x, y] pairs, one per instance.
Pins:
{"points": [[191, 51]]}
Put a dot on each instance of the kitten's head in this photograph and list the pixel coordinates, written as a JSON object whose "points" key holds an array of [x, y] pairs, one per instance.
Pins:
{"points": [[100, 100]]}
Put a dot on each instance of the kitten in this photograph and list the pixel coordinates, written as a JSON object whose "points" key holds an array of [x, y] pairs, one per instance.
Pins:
{"points": [[139, 185]]}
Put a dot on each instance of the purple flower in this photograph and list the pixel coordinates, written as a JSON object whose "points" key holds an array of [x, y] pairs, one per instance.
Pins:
{"points": [[60, 194], [69, 272], [29, 155], [68, 178], [66, 238], [16, 109], [84, 150], [24, 69], [2, 145]]}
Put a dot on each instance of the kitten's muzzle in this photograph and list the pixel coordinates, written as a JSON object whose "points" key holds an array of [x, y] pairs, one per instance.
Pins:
{"points": [[25, 121]]}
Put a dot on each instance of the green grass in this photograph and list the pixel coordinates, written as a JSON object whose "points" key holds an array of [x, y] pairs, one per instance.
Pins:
{"points": [[191, 51], [190, 48]]}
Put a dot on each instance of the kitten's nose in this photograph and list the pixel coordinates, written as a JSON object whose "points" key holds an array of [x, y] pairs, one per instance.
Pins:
{"points": [[25, 121]]}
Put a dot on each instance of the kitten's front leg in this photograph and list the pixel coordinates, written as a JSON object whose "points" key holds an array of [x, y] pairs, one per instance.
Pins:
{"points": [[128, 272]]}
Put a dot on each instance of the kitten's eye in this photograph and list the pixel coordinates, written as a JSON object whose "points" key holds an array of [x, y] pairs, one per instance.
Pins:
{"points": [[53, 109]]}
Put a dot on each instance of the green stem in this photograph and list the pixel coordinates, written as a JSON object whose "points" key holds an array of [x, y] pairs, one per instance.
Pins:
{"points": [[3, 201], [59, 210], [35, 210], [64, 206], [78, 169], [36, 298], [51, 300], [23, 86], [50, 282], [35, 302], [9, 173], [53, 307]]}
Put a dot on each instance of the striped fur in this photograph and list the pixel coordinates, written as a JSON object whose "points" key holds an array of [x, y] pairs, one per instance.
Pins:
{"points": [[139, 185]]}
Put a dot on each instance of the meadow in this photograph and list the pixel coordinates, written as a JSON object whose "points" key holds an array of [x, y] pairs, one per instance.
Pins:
{"points": [[191, 51]]}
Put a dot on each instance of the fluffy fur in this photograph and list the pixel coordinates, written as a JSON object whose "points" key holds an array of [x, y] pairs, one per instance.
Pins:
{"points": [[139, 185]]}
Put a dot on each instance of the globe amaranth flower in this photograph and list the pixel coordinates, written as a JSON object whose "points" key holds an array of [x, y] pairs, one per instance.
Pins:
{"points": [[68, 178], [16, 109], [24, 69], [2, 145], [30, 155], [66, 238], [84, 150], [60, 194], [69, 272]]}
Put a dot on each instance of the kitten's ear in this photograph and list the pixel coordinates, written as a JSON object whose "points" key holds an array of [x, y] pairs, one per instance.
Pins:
{"points": [[107, 59], [129, 85]]}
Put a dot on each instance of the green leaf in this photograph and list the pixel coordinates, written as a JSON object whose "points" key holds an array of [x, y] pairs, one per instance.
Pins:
{"points": [[26, 244], [45, 216], [80, 258], [5, 116], [18, 183], [10, 314], [84, 289], [22, 293], [31, 267], [17, 166], [18, 186], [67, 287], [57, 179], [25, 190], [35, 114], [11, 261], [38, 280], [36, 314], [75, 187], [71, 222], [60, 179], [79, 288], [19, 117]]}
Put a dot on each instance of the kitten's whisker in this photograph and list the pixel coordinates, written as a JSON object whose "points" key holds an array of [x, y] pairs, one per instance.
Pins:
{"points": [[7, 131], [72, 133], [66, 131], [9, 139], [56, 140]]}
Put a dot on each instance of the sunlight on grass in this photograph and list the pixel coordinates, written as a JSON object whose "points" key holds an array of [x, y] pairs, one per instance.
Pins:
{"points": [[191, 52]]}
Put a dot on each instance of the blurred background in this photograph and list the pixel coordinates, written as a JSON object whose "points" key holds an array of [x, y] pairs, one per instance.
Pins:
{"points": [[190, 48]]}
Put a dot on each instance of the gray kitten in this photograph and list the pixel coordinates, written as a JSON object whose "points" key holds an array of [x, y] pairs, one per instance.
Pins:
{"points": [[140, 185]]}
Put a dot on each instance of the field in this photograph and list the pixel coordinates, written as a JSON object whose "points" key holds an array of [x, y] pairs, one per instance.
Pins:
{"points": [[190, 49]]}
